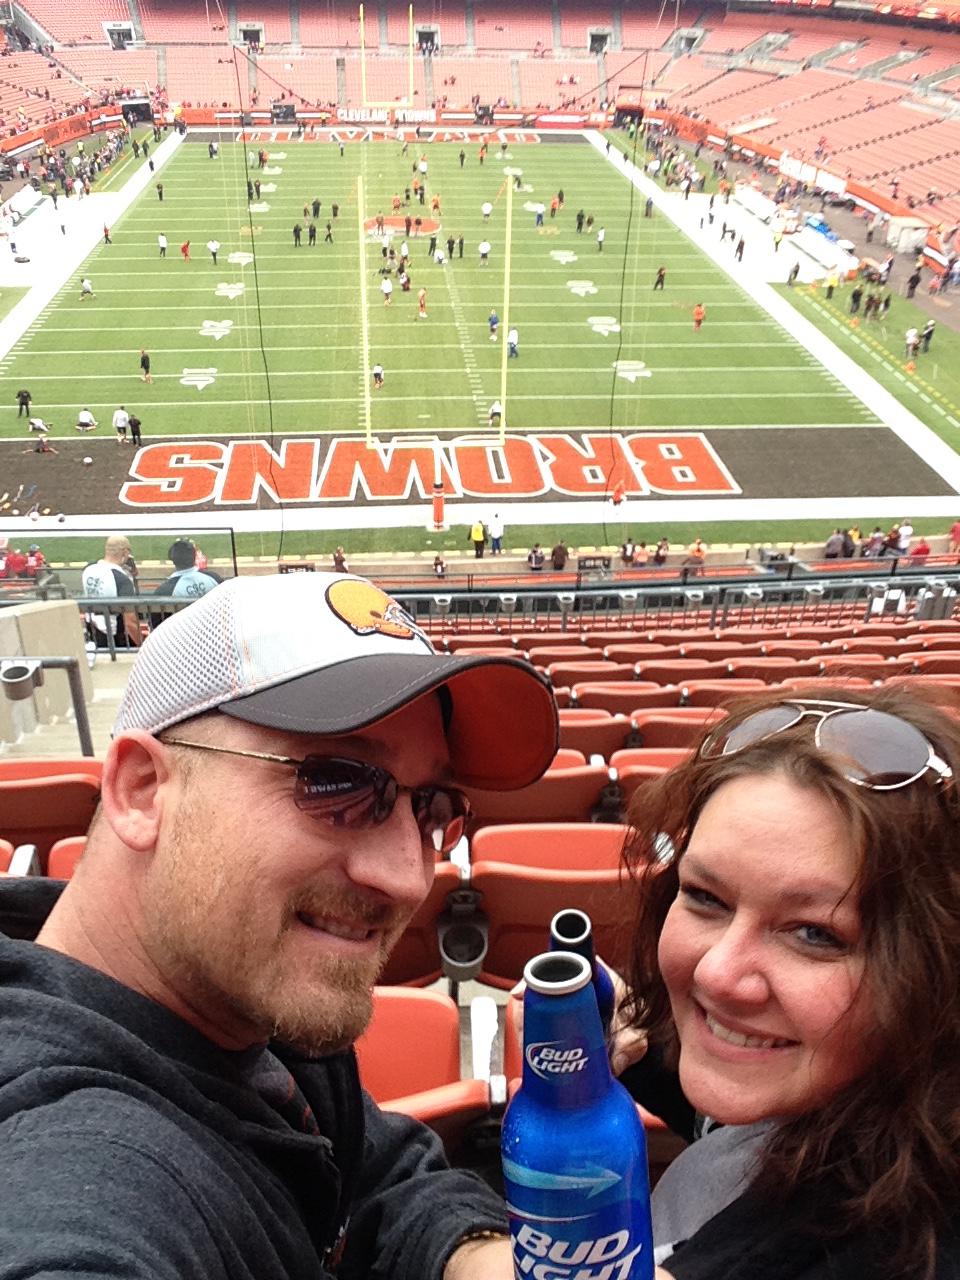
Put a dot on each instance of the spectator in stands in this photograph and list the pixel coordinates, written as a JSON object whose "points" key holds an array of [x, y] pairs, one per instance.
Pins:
{"points": [[439, 566], [15, 563], [627, 550], [187, 582], [36, 565], [797, 1000], [108, 579], [478, 536], [559, 556], [920, 551], [340, 561], [535, 558], [954, 538], [833, 547], [198, 1051], [661, 553], [696, 553], [495, 530], [904, 534]]}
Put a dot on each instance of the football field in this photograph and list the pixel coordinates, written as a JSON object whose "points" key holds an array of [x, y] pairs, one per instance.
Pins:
{"points": [[261, 361]]}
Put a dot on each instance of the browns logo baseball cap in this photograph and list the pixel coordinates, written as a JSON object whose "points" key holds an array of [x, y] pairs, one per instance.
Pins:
{"points": [[325, 653]]}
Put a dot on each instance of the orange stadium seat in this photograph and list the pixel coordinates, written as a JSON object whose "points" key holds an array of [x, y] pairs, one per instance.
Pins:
{"points": [[639, 652], [772, 670], [543, 655], [568, 758], [600, 733], [561, 795], [678, 670], [657, 758], [872, 666], [457, 643], [415, 960], [565, 846], [945, 662], [565, 640], [523, 890], [16, 767], [409, 1060], [679, 727], [712, 650], [64, 856], [41, 811], [791, 648], [6, 853], [625, 697], [716, 693], [571, 673]]}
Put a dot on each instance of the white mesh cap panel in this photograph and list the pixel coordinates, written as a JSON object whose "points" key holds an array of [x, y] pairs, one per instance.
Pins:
{"points": [[187, 665], [252, 633]]}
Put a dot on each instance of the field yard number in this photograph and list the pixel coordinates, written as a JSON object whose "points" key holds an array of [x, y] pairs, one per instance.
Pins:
{"points": [[198, 378], [216, 329], [240, 259], [604, 325], [582, 288], [231, 291], [631, 369], [563, 256]]}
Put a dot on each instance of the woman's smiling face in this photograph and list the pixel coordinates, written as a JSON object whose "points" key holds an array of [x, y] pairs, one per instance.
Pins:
{"points": [[761, 954]]}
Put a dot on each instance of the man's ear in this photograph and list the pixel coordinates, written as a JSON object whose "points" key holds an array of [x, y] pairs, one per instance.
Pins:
{"points": [[135, 788]]}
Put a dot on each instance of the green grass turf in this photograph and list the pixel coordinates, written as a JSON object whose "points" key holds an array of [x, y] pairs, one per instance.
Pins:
{"points": [[442, 373], [931, 390]]}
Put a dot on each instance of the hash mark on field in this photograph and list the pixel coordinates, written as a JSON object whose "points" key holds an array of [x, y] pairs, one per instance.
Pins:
{"points": [[466, 346]]}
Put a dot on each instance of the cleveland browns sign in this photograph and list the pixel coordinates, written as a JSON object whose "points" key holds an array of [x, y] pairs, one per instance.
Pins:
{"points": [[342, 470]]}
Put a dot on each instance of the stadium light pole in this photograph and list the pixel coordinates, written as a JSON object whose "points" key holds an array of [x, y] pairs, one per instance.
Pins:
{"points": [[505, 349]]}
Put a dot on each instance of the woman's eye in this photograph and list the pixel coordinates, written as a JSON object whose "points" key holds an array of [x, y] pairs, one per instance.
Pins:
{"points": [[815, 935], [699, 897]]}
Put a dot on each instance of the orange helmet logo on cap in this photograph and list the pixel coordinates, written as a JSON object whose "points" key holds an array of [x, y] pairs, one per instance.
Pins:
{"points": [[367, 610]]}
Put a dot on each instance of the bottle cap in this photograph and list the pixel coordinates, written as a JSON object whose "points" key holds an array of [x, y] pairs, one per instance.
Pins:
{"points": [[571, 926], [557, 973]]}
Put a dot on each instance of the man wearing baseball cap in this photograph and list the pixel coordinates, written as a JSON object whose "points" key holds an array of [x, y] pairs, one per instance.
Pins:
{"points": [[178, 1094]]}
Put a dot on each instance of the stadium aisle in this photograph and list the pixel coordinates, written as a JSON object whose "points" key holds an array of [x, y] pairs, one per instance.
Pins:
{"points": [[55, 254]]}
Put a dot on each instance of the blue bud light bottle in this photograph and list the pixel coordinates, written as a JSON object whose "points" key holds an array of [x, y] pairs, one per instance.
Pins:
{"points": [[574, 1153], [572, 930]]}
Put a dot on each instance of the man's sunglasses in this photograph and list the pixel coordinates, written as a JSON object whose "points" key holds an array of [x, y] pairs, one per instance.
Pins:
{"points": [[875, 749], [354, 795]]}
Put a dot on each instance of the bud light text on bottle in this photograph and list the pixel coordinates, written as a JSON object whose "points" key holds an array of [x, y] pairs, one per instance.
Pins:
{"points": [[574, 1154]]}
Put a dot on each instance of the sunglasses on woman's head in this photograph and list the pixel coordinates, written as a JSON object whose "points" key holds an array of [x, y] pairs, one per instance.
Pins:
{"points": [[875, 749], [354, 795]]}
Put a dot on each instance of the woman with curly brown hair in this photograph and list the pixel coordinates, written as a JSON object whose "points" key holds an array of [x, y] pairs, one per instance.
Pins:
{"points": [[796, 980]]}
